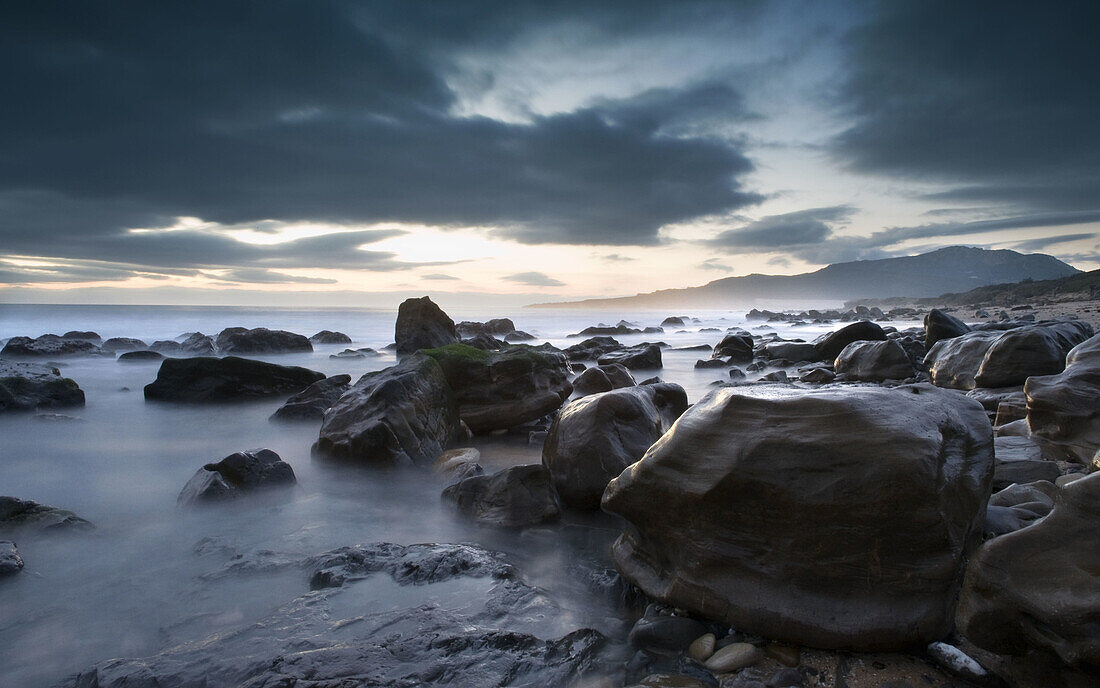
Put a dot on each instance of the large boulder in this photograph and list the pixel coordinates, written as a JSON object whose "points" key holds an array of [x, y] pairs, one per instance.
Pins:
{"points": [[28, 386], [48, 345], [515, 497], [403, 415], [736, 347], [1064, 410], [830, 345], [939, 325], [205, 379], [312, 402], [595, 437], [238, 474], [1033, 596], [642, 356], [20, 514], [260, 340], [874, 361], [503, 389], [603, 378], [827, 517], [422, 325], [991, 358]]}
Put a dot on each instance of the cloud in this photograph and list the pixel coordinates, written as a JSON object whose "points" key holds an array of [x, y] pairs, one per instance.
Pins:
{"points": [[617, 258], [774, 232], [534, 279], [713, 264], [259, 276], [438, 276], [1042, 243]]}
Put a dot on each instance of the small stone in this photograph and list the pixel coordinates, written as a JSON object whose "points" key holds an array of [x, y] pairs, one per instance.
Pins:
{"points": [[733, 657], [786, 655], [956, 661], [702, 648]]}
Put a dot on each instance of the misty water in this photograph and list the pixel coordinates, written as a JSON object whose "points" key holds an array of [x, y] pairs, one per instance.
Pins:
{"points": [[152, 576]]}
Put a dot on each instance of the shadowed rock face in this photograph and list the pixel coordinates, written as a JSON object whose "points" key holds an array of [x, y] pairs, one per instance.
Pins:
{"points": [[330, 337], [403, 415], [236, 475], [10, 561], [19, 514], [594, 438], [1064, 409], [639, 357], [494, 327], [205, 379], [939, 325], [515, 497], [1033, 594], [238, 340], [48, 345], [503, 389], [874, 361], [736, 347], [312, 402], [603, 378], [422, 325], [592, 348], [27, 386], [832, 517], [830, 345]]}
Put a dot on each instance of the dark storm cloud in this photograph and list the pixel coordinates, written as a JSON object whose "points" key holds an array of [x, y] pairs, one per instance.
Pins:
{"points": [[1042, 243], [535, 279], [785, 231], [130, 114], [996, 98]]}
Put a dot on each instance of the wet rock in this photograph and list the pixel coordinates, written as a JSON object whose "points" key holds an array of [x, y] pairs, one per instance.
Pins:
{"points": [[143, 356], [330, 337], [19, 514], [1032, 596], [643, 356], [166, 346], [312, 402], [830, 345], [957, 662], [515, 497], [1062, 409], [356, 353], [29, 386], [874, 362], [791, 351], [1020, 460], [592, 348], [712, 363], [594, 438], [198, 343], [674, 321], [596, 330], [207, 379], [403, 415], [602, 378], [236, 475], [518, 336], [48, 345], [775, 376], [458, 464], [1011, 408], [736, 348], [88, 335], [733, 657], [494, 327], [665, 634], [422, 325], [940, 325], [10, 561], [990, 399], [260, 340], [500, 390], [485, 342], [702, 647], [123, 344], [817, 376], [790, 512]]}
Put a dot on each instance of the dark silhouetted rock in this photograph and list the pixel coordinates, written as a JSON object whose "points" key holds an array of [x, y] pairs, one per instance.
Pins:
{"points": [[592, 348], [402, 416], [312, 402], [827, 517], [830, 345], [1020, 460], [260, 340], [90, 336], [518, 336], [674, 321], [1063, 410], [817, 376], [736, 348], [28, 386], [19, 514], [330, 337], [497, 390], [198, 343], [494, 327], [664, 634], [485, 342], [142, 356], [124, 344], [48, 345], [642, 356], [166, 346], [422, 325], [594, 438], [602, 378], [874, 362], [205, 379], [236, 475], [620, 329], [790, 351], [712, 363], [939, 325], [10, 561], [515, 497]]}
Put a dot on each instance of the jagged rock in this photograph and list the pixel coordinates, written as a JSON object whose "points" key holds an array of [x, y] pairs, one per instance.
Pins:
{"points": [[330, 337], [10, 561], [205, 379], [602, 378], [18, 514], [403, 415], [422, 325], [496, 326], [831, 344], [1033, 595], [503, 389], [642, 356], [592, 348], [874, 361], [515, 497], [939, 325], [236, 475], [593, 439], [140, 356], [792, 513], [28, 386], [166, 346], [124, 344], [736, 348], [197, 343], [48, 345], [312, 402], [1063, 410], [260, 340]]}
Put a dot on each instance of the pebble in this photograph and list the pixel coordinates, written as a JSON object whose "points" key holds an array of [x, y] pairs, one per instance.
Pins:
{"points": [[733, 657], [784, 654], [702, 648], [956, 661]]}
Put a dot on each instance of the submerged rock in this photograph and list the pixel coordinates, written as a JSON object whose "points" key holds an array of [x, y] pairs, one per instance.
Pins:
{"points": [[515, 497], [18, 514], [235, 475], [594, 438], [403, 415], [312, 402], [197, 343], [827, 517], [874, 361], [124, 344], [1063, 410], [330, 337], [205, 379], [10, 561], [260, 340], [28, 386], [142, 356], [422, 325], [592, 348], [494, 327]]}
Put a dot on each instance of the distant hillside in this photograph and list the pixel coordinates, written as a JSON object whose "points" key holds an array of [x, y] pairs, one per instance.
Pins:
{"points": [[952, 269], [1079, 287]]}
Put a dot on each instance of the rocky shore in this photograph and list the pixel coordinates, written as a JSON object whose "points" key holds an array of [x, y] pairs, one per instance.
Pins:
{"points": [[876, 507]]}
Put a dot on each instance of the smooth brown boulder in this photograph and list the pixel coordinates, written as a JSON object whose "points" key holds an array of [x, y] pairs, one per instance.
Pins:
{"points": [[602, 378], [874, 362], [1064, 410], [828, 517]]}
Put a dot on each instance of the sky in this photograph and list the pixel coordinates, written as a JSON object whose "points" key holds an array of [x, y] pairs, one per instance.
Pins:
{"points": [[346, 153]]}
